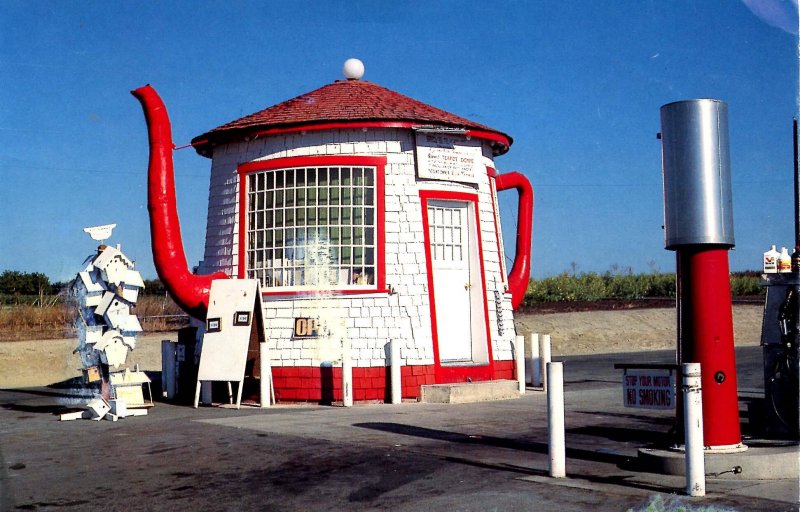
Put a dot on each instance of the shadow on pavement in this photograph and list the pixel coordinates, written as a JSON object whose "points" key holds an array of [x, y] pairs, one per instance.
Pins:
{"points": [[513, 444]]}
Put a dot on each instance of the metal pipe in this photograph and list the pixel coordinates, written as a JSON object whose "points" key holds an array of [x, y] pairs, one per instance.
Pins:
{"points": [[347, 376], [796, 188], [520, 274], [678, 309], [189, 291], [168, 365], [395, 377], [693, 427], [545, 359], [555, 419]]}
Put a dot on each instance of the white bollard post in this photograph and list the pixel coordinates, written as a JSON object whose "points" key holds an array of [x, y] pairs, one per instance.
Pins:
{"points": [[535, 362], [519, 359], [347, 378], [397, 387], [693, 429], [545, 359], [265, 385], [555, 419]]}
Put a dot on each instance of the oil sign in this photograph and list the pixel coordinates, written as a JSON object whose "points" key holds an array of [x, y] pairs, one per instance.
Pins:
{"points": [[306, 328], [648, 388]]}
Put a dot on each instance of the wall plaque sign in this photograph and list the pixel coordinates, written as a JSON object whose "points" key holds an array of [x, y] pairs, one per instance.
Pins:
{"points": [[443, 156]]}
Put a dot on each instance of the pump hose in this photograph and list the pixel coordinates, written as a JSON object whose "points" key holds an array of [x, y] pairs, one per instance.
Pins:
{"points": [[785, 379]]}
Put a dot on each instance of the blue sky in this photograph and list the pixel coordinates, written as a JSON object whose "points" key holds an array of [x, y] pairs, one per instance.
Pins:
{"points": [[577, 84]]}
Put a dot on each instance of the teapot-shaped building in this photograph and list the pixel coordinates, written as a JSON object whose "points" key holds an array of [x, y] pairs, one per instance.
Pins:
{"points": [[367, 216]]}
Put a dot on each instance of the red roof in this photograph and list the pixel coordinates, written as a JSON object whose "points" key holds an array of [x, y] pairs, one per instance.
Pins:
{"points": [[342, 104]]}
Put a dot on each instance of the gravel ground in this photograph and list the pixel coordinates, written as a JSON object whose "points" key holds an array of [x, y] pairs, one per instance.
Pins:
{"points": [[44, 362]]}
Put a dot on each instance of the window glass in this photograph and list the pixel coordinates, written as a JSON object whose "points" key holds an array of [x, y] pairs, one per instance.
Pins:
{"points": [[311, 227]]}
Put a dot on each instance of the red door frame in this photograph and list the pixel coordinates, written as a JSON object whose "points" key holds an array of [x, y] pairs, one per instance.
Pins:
{"points": [[454, 373]]}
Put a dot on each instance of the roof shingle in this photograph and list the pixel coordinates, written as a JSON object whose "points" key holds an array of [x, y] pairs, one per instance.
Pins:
{"points": [[343, 101]]}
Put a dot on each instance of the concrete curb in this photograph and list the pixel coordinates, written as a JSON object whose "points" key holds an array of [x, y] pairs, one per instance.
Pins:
{"points": [[768, 461]]}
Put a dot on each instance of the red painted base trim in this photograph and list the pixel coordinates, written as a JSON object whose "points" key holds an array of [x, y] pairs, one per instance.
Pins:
{"points": [[503, 370], [324, 384], [449, 374]]}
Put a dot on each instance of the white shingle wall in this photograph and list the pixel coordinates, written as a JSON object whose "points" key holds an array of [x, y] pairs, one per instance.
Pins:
{"points": [[367, 321]]}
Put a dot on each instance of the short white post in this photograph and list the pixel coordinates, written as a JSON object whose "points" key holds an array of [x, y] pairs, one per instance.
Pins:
{"points": [[555, 419], [519, 359], [265, 385], [397, 388], [535, 362], [545, 359], [347, 377], [693, 429]]}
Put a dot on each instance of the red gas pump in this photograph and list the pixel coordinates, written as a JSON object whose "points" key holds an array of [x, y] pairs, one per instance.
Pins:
{"points": [[698, 224]]}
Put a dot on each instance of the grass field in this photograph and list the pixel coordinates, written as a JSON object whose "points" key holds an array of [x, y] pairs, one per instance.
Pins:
{"points": [[32, 320]]}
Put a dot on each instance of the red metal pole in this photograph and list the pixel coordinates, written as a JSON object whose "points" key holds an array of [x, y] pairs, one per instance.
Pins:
{"points": [[706, 324]]}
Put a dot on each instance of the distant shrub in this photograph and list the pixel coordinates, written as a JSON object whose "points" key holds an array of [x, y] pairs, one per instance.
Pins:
{"points": [[591, 286], [746, 284]]}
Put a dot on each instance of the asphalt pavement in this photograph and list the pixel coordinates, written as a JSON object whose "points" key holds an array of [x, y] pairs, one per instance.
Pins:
{"points": [[489, 456]]}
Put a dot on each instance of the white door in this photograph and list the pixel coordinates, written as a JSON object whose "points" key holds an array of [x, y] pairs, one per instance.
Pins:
{"points": [[448, 227]]}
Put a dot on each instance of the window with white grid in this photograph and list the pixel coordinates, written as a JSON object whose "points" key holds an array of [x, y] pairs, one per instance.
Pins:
{"points": [[446, 229], [312, 228]]}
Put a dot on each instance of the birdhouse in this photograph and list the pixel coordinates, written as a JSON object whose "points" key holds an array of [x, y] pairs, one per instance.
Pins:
{"points": [[106, 291]]}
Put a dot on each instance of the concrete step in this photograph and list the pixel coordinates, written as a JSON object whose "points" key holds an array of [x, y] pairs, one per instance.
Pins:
{"points": [[467, 392]]}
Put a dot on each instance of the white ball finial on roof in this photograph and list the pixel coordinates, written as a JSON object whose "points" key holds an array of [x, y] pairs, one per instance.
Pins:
{"points": [[353, 69]]}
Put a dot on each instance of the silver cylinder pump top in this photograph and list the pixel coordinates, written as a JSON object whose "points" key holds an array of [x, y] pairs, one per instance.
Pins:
{"points": [[698, 205]]}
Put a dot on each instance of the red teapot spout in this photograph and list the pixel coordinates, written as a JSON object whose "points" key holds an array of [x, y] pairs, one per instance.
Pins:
{"points": [[188, 290]]}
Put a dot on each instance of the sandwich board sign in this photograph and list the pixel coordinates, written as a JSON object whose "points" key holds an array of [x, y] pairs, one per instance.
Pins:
{"points": [[234, 335]]}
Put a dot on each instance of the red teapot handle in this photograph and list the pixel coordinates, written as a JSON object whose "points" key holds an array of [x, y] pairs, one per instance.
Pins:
{"points": [[520, 273]]}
